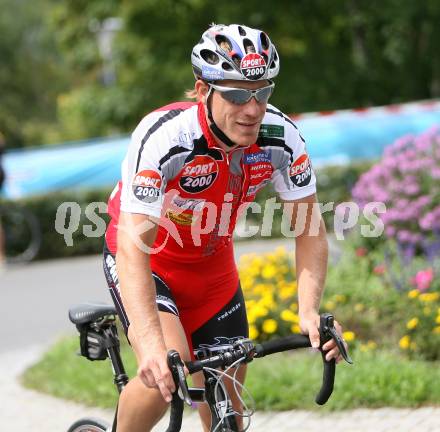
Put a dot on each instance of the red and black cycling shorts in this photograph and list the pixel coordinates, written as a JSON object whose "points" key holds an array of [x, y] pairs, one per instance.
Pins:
{"points": [[206, 297]]}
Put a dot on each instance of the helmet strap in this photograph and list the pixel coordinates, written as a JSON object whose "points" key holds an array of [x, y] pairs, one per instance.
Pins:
{"points": [[213, 126]]}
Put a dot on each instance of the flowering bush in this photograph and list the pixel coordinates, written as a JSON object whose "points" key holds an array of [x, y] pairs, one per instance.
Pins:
{"points": [[421, 331], [270, 290], [406, 180]]}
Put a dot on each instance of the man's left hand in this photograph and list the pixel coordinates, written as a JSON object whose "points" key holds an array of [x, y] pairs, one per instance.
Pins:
{"points": [[309, 325]]}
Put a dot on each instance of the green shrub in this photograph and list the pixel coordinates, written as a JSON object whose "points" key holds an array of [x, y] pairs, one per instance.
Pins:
{"points": [[53, 243]]}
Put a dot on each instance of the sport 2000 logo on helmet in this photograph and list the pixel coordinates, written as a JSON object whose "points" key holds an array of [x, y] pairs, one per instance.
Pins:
{"points": [[301, 171], [146, 186], [253, 66], [199, 174]]}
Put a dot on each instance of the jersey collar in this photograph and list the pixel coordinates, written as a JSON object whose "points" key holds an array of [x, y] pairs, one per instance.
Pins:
{"points": [[204, 125]]}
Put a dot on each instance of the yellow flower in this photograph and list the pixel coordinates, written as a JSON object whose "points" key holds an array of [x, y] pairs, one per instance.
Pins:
{"points": [[281, 252], [270, 326], [348, 336], [247, 282], [260, 311], [429, 297], [294, 307], [329, 305], [251, 317], [437, 320], [253, 332], [359, 307], [413, 293], [288, 315], [405, 342], [283, 269], [339, 298], [295, 328], [287, 290], [269, 271], [427, 310], [412, 323], [372, 345]]}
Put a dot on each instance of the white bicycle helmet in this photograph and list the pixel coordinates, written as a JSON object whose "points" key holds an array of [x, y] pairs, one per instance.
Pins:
{"points": [[234, 52]]}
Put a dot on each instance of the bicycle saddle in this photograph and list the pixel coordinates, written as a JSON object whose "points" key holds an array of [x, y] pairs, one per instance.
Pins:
{"points": [[85, 313]]}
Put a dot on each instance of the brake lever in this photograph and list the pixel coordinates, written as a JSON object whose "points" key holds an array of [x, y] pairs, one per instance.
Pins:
{"points": [[176, 366], [328, 331]]}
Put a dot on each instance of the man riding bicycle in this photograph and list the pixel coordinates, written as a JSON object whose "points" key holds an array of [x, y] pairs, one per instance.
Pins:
{"points": [[190, 171]]}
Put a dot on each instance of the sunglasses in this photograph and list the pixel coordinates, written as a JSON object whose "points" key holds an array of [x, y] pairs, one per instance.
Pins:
{"points": [[241, 96]]}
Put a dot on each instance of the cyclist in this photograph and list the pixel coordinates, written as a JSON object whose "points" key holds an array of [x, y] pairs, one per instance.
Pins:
{"points": [[191, 168]]}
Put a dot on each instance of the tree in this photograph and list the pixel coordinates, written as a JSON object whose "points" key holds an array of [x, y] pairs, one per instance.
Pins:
{"points": [[31, 73]]}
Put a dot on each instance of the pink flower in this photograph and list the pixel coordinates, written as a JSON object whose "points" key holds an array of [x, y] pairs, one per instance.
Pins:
{"points": [[379, 269], [361, 251], [422, 280]]}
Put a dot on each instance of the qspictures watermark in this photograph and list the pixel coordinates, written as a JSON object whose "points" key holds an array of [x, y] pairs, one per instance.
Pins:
{"points": [[205, 218]]}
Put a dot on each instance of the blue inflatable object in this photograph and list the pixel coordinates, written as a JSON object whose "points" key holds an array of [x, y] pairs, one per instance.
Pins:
{"points": [[342, 137]]}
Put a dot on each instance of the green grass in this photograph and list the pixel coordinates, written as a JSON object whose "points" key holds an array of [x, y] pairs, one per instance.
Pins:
{"points": [[279, 382]]}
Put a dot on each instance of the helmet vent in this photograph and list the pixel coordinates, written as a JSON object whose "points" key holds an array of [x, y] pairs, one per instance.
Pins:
{"points": [[264, 41], [201, 41], [242, 31], [223, 42], [209, 56], [227, 66], [248, 46], [236, 59]]}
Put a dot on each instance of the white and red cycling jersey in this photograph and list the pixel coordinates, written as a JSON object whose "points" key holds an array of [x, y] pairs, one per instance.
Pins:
{"points": [[175, 170]]}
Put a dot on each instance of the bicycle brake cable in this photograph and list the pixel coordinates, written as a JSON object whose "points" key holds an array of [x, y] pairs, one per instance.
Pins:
{"points": [[219, 375]]}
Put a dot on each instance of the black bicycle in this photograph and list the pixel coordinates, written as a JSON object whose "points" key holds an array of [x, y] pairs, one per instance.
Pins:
{"points": [[20, 233], [96, 324]]}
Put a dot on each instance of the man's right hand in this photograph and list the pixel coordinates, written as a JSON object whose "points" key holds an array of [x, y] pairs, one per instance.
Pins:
{"points": [[154, 372]]}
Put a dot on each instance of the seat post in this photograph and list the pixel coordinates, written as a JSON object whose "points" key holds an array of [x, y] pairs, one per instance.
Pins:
{"points": [[120, 376]]}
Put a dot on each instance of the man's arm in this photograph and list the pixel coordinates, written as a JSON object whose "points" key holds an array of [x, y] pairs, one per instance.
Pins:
{"points": [[311, 267], [136, 235]]}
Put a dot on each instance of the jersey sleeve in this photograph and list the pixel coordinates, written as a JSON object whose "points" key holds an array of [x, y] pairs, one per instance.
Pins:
{"points": [[143, 183], [293, 178]]}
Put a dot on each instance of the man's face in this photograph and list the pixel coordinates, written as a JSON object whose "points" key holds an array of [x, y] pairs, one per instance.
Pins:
{"points": [[241, 123]]}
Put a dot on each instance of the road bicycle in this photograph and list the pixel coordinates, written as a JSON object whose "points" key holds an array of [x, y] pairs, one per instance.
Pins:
{"points": [[96, 324], [21, 233]]}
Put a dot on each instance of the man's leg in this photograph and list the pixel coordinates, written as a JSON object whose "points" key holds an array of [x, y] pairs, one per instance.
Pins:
{"points": [[220, 331], [140, 407]]}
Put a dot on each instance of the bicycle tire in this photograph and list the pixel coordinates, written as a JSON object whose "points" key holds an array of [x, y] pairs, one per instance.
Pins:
{"points": [[89, 424], [22, 233]]}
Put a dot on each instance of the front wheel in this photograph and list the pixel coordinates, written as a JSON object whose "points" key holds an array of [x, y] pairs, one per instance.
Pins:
{"points": [[89, 425]]}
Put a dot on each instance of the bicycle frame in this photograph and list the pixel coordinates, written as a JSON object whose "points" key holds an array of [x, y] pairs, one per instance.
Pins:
{"points": [[96, 324]]}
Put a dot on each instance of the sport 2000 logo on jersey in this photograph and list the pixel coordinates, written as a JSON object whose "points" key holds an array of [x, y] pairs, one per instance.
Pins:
{"points": [[199, 174], [253, 66], [301, 171], [146, 186]]}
